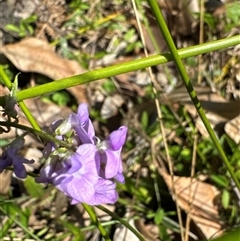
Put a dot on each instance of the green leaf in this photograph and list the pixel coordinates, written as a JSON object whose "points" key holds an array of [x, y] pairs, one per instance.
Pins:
{"points": [[144, 120], [61, 98], [31, 19], [159, 216], [163, 234], [210, 20], [220, 180], [34, 189], [109, 86], [11, 27], [225, 198], [230, 236]]}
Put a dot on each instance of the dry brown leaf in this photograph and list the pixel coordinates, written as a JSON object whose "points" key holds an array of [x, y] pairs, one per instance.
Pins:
{"points": [[232, 128], [197, 198], [5, 181], [35, 55]]}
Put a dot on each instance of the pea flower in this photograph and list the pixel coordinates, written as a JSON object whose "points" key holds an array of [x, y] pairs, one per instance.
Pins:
{"points": [[89, 171], [109, 150], [10, 157]]}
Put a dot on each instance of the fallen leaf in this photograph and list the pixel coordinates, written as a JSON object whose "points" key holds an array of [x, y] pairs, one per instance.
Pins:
{"points": [[5, 181], [197, 199], [35, 55], [232, 129]]}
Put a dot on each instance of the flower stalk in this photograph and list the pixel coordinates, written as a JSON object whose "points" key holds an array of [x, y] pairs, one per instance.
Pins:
{"points": [[126, 67]]}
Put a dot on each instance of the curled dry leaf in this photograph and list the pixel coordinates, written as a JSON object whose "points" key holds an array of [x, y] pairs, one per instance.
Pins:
{"points": [[35, 55], [197, 199]]}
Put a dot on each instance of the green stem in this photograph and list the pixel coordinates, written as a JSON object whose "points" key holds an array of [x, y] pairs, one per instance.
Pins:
{"points": [[5, 78], [29, 116], [41, 134], [177, 59], [124, 68], [95, 221], [122, 221]]}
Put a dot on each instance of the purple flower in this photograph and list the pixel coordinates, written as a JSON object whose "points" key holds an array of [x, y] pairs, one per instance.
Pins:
{"points": [[11, 158], [77, 177], [87, 173], [109, 150]]}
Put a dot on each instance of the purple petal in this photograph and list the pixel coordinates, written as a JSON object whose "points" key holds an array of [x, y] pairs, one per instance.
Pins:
{"points": [[5, 161], [81, 187], [84, 130], [49, 172], [82, 113], [19, 170], [110, 163], [105, 192], [117, 138], [89, 157], [79, 190], [74, 120], [10, 157], [120, 178]]}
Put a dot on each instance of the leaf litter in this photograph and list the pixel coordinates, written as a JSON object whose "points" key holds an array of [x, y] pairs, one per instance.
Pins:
{"points": [[35, 55]]}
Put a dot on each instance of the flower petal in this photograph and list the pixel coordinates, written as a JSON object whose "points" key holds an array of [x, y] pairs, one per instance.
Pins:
{"points": [[117, 138], [120, 178], [82, 113], [88, 155], [78, 189], [5, 161], [19, 170], [105, 192], [110, 162]]}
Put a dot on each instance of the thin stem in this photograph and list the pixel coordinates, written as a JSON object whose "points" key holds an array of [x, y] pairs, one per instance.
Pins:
{"points": [[177, 59], [29, 116], [122, 221], [124, 68], [41, 134], [96, 222], [5, 78]]}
